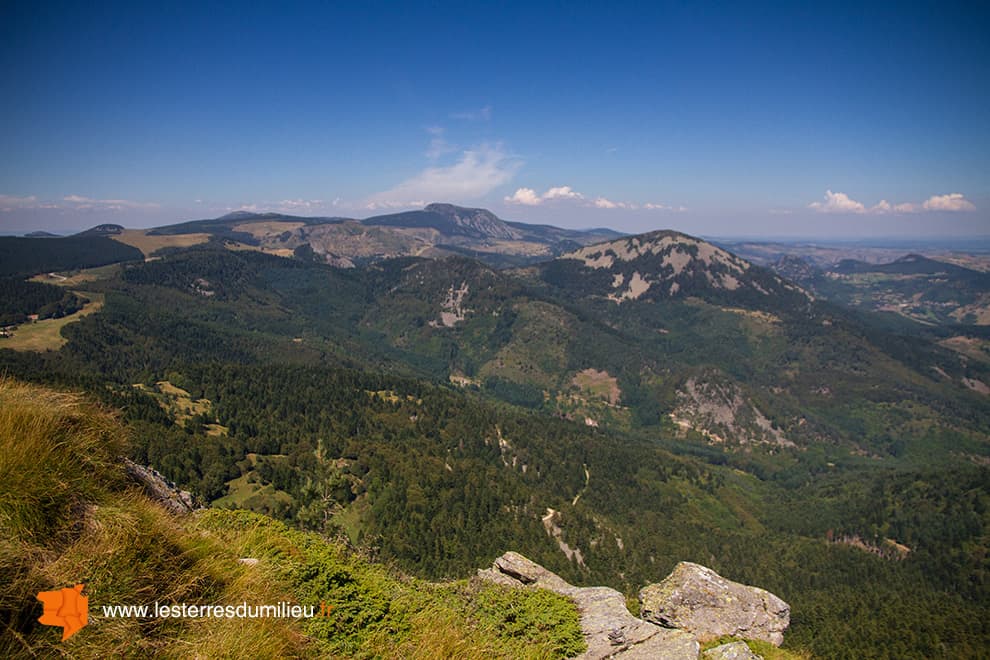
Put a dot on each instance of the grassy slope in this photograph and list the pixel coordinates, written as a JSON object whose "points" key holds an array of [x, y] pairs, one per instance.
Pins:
{"points": [[149, 244], [46, 334], [68, 515]]}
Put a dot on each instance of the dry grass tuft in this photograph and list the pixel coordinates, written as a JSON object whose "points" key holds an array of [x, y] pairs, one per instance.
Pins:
{"points": [[69, 515]]}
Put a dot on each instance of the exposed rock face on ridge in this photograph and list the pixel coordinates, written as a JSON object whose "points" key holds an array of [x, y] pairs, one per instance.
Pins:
{"points": [[451, 221], [609, 629], [480, 221], [719, 409], [699, 600], [795, 269], [160, 489], [691, 603], [666, 263]]}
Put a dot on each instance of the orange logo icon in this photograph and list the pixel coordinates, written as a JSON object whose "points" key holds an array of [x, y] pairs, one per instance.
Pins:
{"points": [[67, 608]]}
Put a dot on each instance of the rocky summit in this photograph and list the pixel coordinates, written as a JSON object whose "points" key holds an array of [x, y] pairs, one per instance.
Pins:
{"points": [[699, 600], [610, 630], [664, 264]]}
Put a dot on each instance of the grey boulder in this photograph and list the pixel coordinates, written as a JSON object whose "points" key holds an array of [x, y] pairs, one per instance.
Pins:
{"points": [[609, 629], [699, 600]]}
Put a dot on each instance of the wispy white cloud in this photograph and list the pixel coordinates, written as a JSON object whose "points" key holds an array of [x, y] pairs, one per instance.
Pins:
{"points": [[481, 114], [478, 171], [438, 143], [389, 205], [529, 197], [14, 203], [950, 202], [72, 203], [287, 206], [837, 202], [81, 203], [299, 205], [250, 208]]}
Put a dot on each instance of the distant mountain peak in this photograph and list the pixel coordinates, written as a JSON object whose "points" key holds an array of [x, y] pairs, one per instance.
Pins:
{"points": [[252, 215], [667, 263], [452, 220], [106, 229], [446, 208], [482, 221], [238, 215]]}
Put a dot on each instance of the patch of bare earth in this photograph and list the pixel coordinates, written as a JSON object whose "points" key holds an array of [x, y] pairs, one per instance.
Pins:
{"points": [[599, 383]]}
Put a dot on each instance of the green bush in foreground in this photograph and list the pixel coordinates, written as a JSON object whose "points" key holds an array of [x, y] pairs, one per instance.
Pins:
{"points": [[373, 612]]}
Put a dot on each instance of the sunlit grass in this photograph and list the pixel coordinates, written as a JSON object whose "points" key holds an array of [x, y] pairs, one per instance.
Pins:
{"points": [[46, 334]]}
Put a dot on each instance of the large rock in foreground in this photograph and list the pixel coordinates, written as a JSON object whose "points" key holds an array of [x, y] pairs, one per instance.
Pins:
{"points": [[731, 651], [609, 629], [699, 600]]}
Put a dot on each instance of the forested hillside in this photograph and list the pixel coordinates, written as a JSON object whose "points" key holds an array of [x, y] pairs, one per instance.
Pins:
{"points": [[441, 412], [30, 256]]}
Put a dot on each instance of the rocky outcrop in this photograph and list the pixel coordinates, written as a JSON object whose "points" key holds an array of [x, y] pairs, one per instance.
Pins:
{"points": [[609, 629], [719, 409], [699, 600], [160, 489], [693, 604]]}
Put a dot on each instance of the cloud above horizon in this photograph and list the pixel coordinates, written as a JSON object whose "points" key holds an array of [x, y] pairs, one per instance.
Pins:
{"points": [[86, 203], [477, 172], [72, 203], [950, 202], [286, 206], [10, 203], [529, 197], [841, 203]]}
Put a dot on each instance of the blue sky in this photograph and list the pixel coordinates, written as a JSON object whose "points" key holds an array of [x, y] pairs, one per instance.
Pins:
{"points": [[789, 119]]}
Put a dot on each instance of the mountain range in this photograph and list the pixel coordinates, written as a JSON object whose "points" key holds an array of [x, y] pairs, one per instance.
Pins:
{"points": [[437, 230]]}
